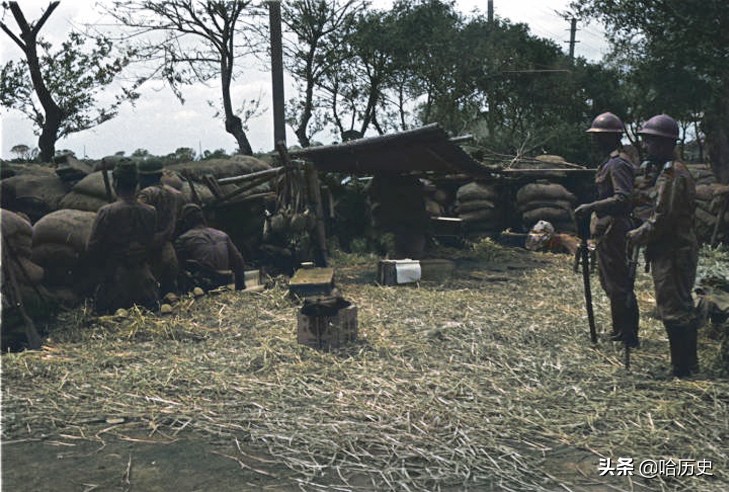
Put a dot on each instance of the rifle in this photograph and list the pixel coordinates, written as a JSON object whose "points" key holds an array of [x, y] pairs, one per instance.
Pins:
{"points": [[632, 257], [582, 257]]}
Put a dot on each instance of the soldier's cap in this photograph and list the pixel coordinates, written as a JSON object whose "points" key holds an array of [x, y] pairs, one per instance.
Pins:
{"points": [[150, 166], [125, 170]]}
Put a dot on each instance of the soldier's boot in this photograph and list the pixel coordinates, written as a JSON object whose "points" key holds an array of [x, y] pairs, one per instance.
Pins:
{"points": [[678, 340], [617, 316]]}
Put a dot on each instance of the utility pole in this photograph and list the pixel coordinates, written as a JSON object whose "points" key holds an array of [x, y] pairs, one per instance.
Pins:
{"points": [[491, 11], [573, 31], [277, 83]]}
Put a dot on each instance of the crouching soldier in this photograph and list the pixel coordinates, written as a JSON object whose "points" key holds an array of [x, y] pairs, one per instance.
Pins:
{"points": [[670, 241], [208, 257], [119, 247]]}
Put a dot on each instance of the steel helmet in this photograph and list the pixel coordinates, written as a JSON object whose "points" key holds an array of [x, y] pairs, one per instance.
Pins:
{"points": [[606, 123], [660, 125]]}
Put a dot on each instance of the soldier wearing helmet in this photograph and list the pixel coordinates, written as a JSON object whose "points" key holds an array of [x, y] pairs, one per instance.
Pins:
{"points": [[611, 220], [167, 201], [119, 247], [670, 241]]}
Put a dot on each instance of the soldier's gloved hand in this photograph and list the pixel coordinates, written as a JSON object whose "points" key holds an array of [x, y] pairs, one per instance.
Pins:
{"points": [[583, 210]]}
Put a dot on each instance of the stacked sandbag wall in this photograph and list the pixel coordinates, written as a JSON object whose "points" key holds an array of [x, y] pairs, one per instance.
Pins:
{"points": [[479, 206], [34, 194], [59, 246], [547, 201], [711, 198], [21, 278]]}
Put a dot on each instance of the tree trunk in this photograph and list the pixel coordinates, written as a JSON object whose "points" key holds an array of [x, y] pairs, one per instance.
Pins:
{"points": [[27, 42], [233, 124]]}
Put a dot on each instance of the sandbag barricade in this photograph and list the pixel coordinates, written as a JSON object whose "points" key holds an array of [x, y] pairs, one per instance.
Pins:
{"points": [[21, 278], [34, 194], [59, 246], [551, 202], [479, 206], [711, 199], [89, 194]]}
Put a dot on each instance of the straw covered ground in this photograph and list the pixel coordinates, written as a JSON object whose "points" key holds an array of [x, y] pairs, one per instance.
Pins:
{"points": [[487, 381]]}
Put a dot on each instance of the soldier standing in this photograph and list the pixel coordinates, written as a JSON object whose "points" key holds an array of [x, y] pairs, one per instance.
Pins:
{"points": [[670, 241], [118, 247], [610, 223], [167, 201]]}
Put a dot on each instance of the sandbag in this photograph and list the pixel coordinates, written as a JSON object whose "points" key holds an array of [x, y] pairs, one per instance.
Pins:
{"points": [[220, 168], [29, 272], [47, 187], [64, 227], [79, 201], [477, 191], [483, 215], [18, 232], [550, 214], [93, 186], [472, 205], [51, 255], [563, 204], [704, 192], [533, 192], [433, 208]]}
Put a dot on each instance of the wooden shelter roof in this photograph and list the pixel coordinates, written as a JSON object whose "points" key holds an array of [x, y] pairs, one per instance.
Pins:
{"points": [[426, 149]]}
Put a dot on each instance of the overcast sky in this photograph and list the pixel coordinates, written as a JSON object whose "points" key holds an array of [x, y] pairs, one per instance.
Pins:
{"points": [[160, 123]]}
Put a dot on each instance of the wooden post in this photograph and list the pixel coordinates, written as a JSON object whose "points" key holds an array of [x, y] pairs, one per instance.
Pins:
{"points": [[312, 183], [277, 81]]}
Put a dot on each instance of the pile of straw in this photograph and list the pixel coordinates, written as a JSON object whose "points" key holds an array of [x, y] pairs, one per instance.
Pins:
{"points": [[486, 381]]}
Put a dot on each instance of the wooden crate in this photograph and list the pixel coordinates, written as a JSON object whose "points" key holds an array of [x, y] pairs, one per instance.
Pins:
{"points": [[308, 282], [327, 332]]}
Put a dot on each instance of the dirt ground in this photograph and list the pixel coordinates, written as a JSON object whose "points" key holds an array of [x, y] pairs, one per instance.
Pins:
{"points": [[434, 386], [129, 459]]}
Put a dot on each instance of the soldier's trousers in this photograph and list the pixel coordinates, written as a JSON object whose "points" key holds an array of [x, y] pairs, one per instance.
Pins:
{"points": [[674, 273], [615, 279]]}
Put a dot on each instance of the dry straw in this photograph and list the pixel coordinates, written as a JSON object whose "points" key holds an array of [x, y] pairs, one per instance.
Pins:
{"points": [[487, 381]]}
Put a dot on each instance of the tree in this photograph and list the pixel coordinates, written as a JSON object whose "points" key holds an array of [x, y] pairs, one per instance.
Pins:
{"points": [[320, 28], [58, 90], [181, 58], [679, 52], [24, 153]]}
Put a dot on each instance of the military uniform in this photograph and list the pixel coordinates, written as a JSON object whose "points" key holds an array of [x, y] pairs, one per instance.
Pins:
{"points": [[611, 222], [210, 257], [672, 250], [167, 202], [119, 245]]}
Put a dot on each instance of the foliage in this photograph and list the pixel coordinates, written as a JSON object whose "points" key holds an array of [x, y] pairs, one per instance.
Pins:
{"points": [[59, 90], [674, 56], [319, 29], [191, 41]]}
